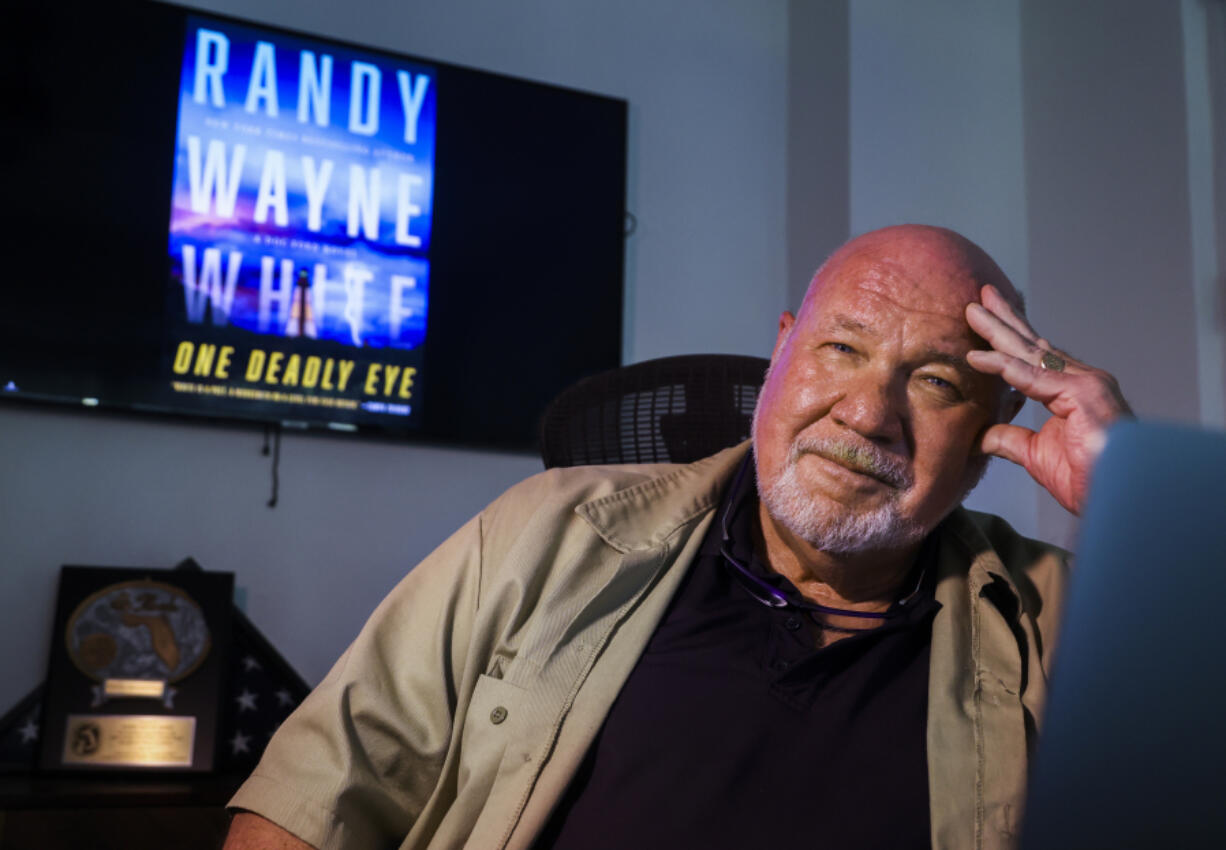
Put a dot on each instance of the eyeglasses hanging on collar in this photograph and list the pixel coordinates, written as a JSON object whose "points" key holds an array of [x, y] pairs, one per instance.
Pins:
{"points": [[772, 597]]}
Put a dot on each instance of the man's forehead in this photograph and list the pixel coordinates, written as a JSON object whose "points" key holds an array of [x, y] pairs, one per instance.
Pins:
{"points": [[921, 282], [911, 264], [876, 306], [942, 336]]}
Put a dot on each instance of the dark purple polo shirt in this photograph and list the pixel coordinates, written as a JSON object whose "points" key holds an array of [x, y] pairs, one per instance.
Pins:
{"points": [[733, 731]]}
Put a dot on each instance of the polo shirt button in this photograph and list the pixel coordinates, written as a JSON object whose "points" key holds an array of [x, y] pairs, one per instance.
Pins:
{"points": [[498, 715], [791, 624], [780, 664]]}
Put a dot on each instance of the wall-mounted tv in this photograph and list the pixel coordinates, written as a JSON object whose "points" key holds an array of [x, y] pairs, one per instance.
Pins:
{"points": [[218, 218]]}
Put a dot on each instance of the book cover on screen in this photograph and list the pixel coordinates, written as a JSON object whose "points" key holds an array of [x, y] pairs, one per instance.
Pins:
{"points": [[300, 226]]}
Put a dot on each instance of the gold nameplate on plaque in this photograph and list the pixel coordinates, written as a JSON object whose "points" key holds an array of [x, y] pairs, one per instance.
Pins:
{"points": [[154, 688], [124, 740]]}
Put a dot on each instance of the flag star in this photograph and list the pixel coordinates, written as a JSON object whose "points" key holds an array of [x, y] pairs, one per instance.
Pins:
{"points": [[238, 744], [249, 663], [245, 700], [29, 732], [284, 697]]}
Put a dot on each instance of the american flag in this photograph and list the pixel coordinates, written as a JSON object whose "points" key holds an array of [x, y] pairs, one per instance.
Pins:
{"points": [[263, 691]]}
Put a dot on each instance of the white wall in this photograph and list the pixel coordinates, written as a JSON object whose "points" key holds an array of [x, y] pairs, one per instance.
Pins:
{"points": [[126, 491], [706, 82]]}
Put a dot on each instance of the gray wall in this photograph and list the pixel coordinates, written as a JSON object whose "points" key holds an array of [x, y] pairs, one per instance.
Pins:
{"points": [[1107, 182], [1058, 135], [1204, 43], [818, 144]]}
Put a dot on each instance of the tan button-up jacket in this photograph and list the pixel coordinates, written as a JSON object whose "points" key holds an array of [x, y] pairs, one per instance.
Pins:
{"points": [[470, 697]]}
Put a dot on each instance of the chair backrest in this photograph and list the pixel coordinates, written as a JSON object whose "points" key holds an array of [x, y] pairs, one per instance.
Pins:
{"points": [[673, 409]]}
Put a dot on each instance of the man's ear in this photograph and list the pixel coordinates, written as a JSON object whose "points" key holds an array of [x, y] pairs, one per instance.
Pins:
{"points": [[786, 320]]}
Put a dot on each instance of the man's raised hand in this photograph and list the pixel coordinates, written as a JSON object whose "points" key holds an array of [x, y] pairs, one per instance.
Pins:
{"points": [[1083, 401]]}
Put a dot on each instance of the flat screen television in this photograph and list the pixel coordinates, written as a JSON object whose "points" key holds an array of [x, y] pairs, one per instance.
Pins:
{"points": [[211, 217]]}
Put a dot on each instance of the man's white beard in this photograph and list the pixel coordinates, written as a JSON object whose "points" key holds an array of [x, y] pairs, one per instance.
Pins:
{"points": [[831, 527], [835, 528]]}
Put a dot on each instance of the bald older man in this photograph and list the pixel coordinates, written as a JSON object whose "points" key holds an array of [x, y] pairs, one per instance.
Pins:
{"points": [[803, 640]]}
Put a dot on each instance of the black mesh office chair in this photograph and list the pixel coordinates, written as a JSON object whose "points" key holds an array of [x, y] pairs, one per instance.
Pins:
{"points": [[674, 409]]}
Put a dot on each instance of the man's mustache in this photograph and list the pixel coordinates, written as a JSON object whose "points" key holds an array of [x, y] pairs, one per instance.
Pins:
{"points": [[866, 459]]}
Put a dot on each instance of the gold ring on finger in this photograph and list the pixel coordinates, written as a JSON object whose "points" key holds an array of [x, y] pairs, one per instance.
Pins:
{"points": [[1051, 361]]}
